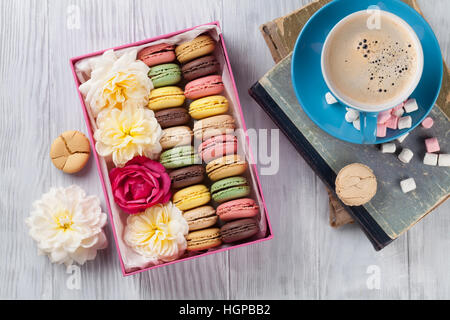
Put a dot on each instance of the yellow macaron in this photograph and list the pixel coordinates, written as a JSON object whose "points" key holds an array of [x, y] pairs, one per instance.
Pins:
{"points": [[208, 107], [200, 46], [228, 166], [166, 97], [191, 197]]}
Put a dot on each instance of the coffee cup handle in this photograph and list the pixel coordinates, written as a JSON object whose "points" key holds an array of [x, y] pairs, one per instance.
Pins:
{"points": [[368, 123]]}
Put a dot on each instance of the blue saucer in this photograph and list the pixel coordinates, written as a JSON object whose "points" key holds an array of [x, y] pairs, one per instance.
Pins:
{"points": [[310, 87]]}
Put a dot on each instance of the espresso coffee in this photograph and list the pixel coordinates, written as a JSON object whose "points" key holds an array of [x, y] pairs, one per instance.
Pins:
{"points": [[371, 66]]}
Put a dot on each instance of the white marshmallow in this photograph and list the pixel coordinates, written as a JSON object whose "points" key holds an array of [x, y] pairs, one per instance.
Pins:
{"points": [[357, 124], [408, 185], [404, 122], [330, 98], [406, 155], [411, 105], [430, 159], [351, 115], [444, 160], [403, 137], [388, 147], [398, 112]]}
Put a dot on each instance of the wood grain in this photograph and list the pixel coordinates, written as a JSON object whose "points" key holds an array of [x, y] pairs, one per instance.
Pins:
{"points": [[306, 259]]}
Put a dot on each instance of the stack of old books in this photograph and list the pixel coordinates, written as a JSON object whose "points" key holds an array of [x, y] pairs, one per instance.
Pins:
{"points": [[391, 213]]}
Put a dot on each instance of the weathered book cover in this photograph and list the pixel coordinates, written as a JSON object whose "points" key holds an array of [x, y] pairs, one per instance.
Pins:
{"points": [[280, 35], [390, 213]]}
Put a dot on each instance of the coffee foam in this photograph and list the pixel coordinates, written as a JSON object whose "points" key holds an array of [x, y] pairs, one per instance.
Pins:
{"points": [[372, 67]]}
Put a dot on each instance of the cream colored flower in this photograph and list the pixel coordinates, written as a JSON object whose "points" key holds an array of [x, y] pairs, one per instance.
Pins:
{"points": [[158, 232], [126, 133], [67, 225], [116, 82]]}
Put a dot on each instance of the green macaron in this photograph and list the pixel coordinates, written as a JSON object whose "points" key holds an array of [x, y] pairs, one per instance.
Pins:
{"points": [[165, 74], [229, 189], [179, 157]]}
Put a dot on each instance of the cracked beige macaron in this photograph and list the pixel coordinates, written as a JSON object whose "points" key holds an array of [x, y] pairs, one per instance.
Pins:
{"points": [[70, 151], [356, 184]]}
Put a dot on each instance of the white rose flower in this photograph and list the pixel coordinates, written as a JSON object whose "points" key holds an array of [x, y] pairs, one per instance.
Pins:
{"points": [[116, 82], [67, 225]]}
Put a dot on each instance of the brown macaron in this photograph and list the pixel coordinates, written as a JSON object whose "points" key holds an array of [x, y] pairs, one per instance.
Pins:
{"points": [[239, 230], [203, 239], [200, 67], [187, 176], [70, 151], [172, 117]]}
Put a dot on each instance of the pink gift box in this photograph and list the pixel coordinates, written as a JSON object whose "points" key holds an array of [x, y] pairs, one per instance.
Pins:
{"points": [[236, 110]]}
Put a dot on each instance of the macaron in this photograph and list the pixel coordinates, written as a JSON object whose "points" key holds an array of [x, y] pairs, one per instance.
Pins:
{"points": [[203, 239], [200, 67], [208, 107], [203, 87], [179, 157], [157, 54], [239, 230], [165, 97], [191, 197], [217, 146], [237, 209], [201, 217], [165, 74], [176, 136], [229, 189], [227, 166], [200, 46], [187, 176], [172, 117], [214, 126], [70, 151]]}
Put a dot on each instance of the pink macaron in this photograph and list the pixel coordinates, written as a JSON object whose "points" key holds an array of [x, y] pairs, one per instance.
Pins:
{"points": [[217, 146], [203, 87], [157, 54], [237, 209]]}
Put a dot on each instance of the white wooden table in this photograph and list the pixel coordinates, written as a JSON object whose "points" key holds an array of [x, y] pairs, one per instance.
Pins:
{"points": [[306, 259]]}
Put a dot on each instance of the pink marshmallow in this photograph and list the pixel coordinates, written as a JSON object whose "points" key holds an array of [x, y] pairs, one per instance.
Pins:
{"points": [[427, 123], [432, 145], [392, 123], [384, 116], [398, 107], [381, 130]]}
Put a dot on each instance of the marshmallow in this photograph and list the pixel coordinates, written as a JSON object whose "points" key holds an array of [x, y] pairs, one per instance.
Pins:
{"points": [[427, 123], [381, 130], [432, 145], [403, 137], [408, 185], [357, 124], [351, 115], [430, 159], [392, 123], [398, 112], [406, 155], [404, 122], [330, 98], [444, 160], [411, 105], [388, 147], [384, 116]]}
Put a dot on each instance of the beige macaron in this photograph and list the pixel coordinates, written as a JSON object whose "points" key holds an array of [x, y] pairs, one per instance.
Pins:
{"points": [[201, 217], [176, 136], [70, 151], [356, 184]]}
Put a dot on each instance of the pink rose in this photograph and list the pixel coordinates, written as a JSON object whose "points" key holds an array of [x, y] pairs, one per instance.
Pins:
{"points": [[140, 184]]}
